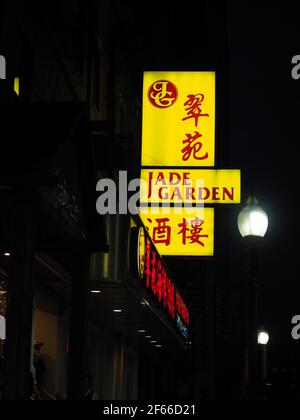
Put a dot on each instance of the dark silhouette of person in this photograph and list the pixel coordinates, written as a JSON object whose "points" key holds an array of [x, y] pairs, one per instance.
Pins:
{"points": [[90, 394], [39, 365]]}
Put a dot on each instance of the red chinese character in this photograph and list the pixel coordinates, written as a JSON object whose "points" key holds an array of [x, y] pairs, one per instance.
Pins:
{"points": [[182, 309], [193, 234], [153, 272], [148, 264], [171, 298], [192, 147], [193, 107], [159, 280], [162, 232], [164, 287], [178, 303]]}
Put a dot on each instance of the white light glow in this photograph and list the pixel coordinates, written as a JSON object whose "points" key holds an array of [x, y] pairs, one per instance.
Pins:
{"points": [[253, 221], [263, 338]]}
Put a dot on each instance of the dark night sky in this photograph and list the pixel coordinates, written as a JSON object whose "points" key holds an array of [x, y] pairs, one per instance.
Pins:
{"points": [[265, 103], [264, 125]]}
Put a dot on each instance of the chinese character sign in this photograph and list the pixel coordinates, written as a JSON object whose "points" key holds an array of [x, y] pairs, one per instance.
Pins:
{"points": [[188, 232], [178, 119]]}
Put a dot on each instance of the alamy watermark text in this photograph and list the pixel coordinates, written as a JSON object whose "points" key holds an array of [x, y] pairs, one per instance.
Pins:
{"points": [[2, 67], [296, 67]]}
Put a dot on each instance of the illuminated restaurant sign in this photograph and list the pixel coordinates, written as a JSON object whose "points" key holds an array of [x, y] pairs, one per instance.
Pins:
{"points": [[178, 156], [153, 277], [178, 126], [180, 231], [190, 186]]}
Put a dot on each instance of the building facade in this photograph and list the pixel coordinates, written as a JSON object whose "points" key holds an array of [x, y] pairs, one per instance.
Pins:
{"points": [[70, 117]]}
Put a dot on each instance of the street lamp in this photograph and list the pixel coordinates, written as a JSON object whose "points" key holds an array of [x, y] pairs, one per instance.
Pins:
{"points": [[262, 340], [252, 225], [252, 220]]}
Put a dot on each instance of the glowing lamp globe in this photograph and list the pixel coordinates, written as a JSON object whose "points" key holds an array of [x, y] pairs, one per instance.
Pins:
{"points": [[263, 338], [252, 220]]}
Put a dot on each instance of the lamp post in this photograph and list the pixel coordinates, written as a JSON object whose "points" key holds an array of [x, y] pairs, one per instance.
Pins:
{"points": [[262, 341], [253, 225]]}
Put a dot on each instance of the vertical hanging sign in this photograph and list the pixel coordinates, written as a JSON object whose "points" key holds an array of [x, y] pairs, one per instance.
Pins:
{"points": [[178, 142], [178, 126]]}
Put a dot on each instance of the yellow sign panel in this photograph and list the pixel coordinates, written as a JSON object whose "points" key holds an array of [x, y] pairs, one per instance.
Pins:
{"points": [[178, 119], [190, 186], [180, 232]]}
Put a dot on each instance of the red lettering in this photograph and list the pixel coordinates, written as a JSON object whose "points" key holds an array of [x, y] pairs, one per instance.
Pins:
{"points": [[150, 184], [176, 194], [148, 264], [162, 232], [162, 288], [190, 193], [175, 178], [192, 147], [193, 107], [230, 194], [160, 178], [171, 299], [153, 272], [215, 193], [182, 309], [158, 281], [186, 179], [160, 193], [203, 193], [192, 233]]}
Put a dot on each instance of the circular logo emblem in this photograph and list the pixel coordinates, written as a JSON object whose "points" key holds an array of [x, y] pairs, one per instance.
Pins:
{"points": [[162, 94]]}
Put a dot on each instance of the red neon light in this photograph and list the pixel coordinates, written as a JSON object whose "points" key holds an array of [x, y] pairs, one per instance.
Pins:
{"points": [[163, 289], [182, 309]]}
